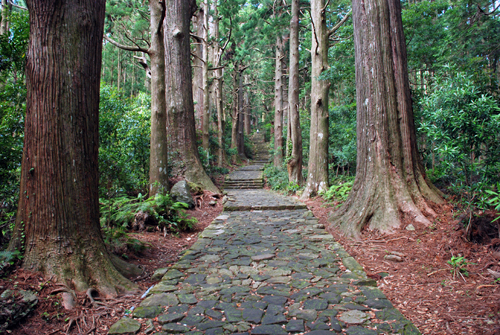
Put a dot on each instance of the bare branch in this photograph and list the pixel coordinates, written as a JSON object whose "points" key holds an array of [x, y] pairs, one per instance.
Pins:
{"points": [[338, 25], [125, 47], [144, 62], [16, 6]]}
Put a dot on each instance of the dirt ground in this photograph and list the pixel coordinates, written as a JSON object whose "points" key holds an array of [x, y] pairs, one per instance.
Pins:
{"points": [[420, 283]]}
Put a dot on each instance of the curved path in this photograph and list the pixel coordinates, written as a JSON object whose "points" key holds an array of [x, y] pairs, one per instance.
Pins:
{"points": [[265, 266]]}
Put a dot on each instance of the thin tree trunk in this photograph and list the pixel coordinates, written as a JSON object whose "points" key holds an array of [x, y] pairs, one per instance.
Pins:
{"points": [[246, 108], [59, 202], [4, 24], [179, 95], [206, 95], [218, 82], [390, 185], [294, 164], [235, 115], [317, 177], [158, 159], [241, 119], [278, 104]]}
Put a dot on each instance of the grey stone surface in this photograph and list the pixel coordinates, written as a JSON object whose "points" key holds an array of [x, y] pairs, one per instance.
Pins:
{"points": [[180, 192], [266, 266], [125, 326]]}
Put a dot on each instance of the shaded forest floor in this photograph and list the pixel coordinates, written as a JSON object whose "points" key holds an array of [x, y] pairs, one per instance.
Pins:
{"points": [[421, 285]]}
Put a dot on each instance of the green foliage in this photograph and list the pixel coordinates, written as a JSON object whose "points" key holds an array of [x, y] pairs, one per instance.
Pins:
{"points": [[277, 178], [7, 259], [342, 141], [462, 127], [12, 110], [459, 266], [494, 199], [164, 212], [124, 133], [338, 192]]}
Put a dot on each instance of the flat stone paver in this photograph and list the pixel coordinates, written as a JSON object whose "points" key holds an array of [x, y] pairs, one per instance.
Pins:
{"points": [[265, 266]]}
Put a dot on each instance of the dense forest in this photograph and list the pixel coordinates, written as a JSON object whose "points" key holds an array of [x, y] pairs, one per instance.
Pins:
{"points": [[389, 114]]}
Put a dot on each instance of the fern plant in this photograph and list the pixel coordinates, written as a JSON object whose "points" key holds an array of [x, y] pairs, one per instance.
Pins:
{"points": [[121, 211]]}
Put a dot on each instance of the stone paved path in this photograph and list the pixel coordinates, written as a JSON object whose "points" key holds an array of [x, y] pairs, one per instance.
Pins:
{"points": [[265, 266]]}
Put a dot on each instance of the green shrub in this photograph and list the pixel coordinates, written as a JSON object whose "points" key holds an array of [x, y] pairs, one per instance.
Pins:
{"points": [[462, 127], [277, 178]]}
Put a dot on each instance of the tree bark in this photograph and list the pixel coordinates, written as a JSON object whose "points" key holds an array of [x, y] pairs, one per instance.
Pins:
{"points": [[235, 115], [390, 185], [246, 108], [218, 82], [4, 24], [317, 178], [158, 159], [206, 95], [197, 51], [241, 118], [278, 103], [179, 96], [294, 164], [59, 202]]}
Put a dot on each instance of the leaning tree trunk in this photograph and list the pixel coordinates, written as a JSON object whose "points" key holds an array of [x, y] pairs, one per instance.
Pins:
{"points": [[158, 167], [180, 108], [294, 164], [390, 185], [278, 104], [59, 202], [317, 174]]}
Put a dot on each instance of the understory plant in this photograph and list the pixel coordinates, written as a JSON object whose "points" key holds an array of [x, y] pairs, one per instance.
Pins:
{"points": [[339, 191], [161, 210], [461, 127], [459, 266]]}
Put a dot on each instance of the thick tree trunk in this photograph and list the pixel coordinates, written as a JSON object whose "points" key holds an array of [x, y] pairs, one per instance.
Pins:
{"points": [[317, 178], [179, 96], [59, 202], [390, 183], [278, 103], [294, 164], [158, 159], [206, 95], [197, 51]]}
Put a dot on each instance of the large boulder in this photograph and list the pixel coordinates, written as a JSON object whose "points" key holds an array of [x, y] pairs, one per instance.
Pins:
{"points": [[181, 192]]}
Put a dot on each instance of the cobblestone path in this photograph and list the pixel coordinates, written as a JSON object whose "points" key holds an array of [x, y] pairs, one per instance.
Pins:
{"points": [[265, 266]]}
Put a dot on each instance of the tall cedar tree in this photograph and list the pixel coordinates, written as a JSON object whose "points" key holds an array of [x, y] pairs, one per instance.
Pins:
{"points": [[390, 185], [294, 164], [158, 156], [278, 103], [59, 201], [180, 106], [317, 172]]}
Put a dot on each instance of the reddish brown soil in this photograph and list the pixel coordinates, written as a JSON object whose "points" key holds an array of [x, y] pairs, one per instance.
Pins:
{"points": [[422, 286]]}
